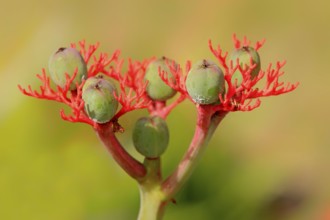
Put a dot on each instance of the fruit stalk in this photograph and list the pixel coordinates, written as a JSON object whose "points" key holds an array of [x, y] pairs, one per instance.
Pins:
{"points": [[207, 122], [132, 167]]}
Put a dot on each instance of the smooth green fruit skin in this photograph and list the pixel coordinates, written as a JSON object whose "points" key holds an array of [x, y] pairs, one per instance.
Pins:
{"points": [[65, 61], [100, 102], [205, 81], [157, 89], [151, 136], [244, 55]]}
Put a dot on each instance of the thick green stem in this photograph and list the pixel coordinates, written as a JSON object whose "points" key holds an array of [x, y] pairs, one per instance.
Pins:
{"points": [[152, 203], [152, 198]]}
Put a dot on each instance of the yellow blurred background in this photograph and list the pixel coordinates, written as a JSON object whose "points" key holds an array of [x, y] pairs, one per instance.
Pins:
{"points": [[269, 164]]}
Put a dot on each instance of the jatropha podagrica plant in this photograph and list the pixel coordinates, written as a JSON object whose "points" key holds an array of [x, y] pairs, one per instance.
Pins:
{"points": [[86, 83]]}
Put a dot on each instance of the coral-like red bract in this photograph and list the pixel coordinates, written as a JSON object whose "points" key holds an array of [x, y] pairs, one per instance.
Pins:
{"points": [[132, 95], [132, 87], [246, 96]]}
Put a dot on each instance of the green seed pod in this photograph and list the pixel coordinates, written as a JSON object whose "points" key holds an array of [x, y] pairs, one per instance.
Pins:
{"points": [[66, 61], [151, 136], [100, 102], [244, 56], [157, 89], [205, 81]]}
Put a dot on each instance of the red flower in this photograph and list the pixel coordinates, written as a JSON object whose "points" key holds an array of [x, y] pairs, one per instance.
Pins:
{"points": [[132, 95], [132, 87], [246, 96]]}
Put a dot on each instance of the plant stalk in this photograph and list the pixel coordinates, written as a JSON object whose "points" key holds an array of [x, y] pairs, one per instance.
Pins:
{"points": [[207, 122], [153, 202], [132, 167]]}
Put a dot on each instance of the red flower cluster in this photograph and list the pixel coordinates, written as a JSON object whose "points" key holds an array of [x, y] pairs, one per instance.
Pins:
{"points": [[132, 95], [241, 97]]}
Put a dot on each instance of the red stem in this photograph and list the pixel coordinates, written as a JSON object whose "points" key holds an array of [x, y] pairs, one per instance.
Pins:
{"points": [[207, 122], [132, 167]]}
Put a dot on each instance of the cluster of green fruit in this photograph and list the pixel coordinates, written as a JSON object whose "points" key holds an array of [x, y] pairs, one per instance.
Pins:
{"points": [[204, 83], [98, 93]]}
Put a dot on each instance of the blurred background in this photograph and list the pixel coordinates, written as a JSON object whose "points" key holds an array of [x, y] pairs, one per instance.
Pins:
{"points": [[269, 164]]}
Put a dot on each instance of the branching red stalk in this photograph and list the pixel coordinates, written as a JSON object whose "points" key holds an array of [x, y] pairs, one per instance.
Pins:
{"points": [[207, 122], [132, 167]]}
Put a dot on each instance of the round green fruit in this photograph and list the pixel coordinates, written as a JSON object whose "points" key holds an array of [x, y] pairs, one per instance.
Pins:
{"points": [[244, 55], [100, 102], [157, 89], [66, 61], [205, 81], [151, 136]]}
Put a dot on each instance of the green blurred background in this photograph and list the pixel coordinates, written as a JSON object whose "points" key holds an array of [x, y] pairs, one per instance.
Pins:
{"points": [[272, 163]]}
